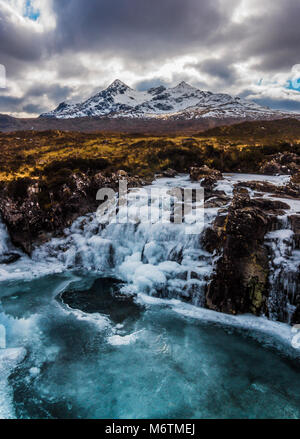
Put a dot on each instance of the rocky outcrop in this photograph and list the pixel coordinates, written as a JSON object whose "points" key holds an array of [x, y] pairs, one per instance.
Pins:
{"points": [[240, 279], [169, 173], [295, 225], [38, 211], [290, 190], [204, 172], [296, 178], [9, 258], [282, 163]]}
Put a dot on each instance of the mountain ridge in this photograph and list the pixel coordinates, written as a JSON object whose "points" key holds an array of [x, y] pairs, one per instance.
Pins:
{"points": [[182, 102]]}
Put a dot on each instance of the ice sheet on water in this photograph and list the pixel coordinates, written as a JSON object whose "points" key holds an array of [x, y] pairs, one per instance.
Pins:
{"points": [[9, 359], [280, 335], [274, 179], [125, 340]]}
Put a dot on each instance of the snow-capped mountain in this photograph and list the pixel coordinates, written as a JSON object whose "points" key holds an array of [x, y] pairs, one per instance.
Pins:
{"points": [[180, 102]]}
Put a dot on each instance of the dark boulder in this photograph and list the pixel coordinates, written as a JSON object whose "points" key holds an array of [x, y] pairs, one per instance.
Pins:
{"points": [[296, 178], [282, 163], [169, 173], [290, 190], [9, 258], [48, 207], [197, 174], [240, 280], [295, 225]]}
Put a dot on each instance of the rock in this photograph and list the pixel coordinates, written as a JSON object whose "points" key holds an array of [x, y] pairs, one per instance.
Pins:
{"points": [[295, 225], [209, 182], [217, 201], [169, 173], [282, 163], [275, 207], [296, 178], [290, 190], [240, 280], [47, 210], [104, 297], [270, 168], [211, 239], [240, 190], [122, 174], [9, 258], [197, 174]]}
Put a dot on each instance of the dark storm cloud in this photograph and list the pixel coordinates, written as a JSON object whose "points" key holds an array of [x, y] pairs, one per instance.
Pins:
{"points": [[142, 34], [18, 41], [10, 104], [30, 101], [136, 27], [145, 30], [54, 92], [275, 36], [9, 101], [149, 83], [34, 108], [216, 68], [72, 68]]}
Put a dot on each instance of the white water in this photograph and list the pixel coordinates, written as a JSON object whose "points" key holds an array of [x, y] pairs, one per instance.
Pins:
{"points": [[284, 271], [154, 260], [5, 245]]}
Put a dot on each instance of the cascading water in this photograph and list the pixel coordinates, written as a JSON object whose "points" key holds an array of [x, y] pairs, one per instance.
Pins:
{"points": [[157, 258], [284, 271], [73, 350], [4, 239], [8, 253]]}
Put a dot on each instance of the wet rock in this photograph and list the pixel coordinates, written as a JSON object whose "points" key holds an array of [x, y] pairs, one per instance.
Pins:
{"points": [[9, 258], [295, 225], [240, 190], [296, 178], [240, 279], [209, 182], [204, 172], [176, 254], [271, 206], [45, 211], [290, 190], [217, 201], [169, 173], [280, 164], [104, 297]]}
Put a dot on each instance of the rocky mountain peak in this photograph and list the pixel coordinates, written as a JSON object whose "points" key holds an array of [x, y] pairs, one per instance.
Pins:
{"points": [[183, 85], [117, 85], [183, 101]]}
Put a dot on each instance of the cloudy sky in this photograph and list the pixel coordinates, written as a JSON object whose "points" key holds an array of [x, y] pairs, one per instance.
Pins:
{"points": [[67, 50]]}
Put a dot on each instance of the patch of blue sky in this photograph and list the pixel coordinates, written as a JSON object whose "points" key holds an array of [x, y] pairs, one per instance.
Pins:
{"points": [[30, 11], [293, 85]]}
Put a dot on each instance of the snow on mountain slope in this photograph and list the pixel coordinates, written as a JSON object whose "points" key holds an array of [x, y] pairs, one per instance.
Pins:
{"points": [[180, 102]]}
